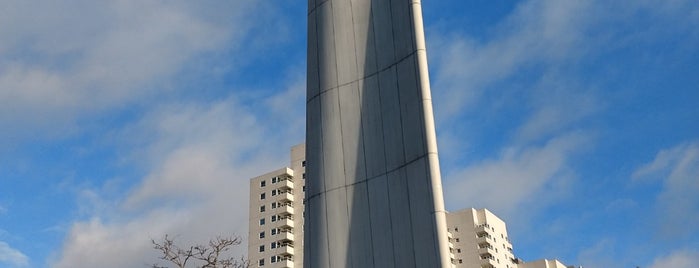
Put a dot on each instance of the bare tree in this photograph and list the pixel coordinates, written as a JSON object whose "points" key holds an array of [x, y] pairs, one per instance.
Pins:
{"points": [[202, 256]]}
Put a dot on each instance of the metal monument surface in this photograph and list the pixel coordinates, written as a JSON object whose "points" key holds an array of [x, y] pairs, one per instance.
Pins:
{"points": [[374, 193]]}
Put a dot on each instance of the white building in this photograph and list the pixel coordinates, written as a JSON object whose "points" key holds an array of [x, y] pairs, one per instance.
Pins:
{"points": [[478, 238], [275, 236]]}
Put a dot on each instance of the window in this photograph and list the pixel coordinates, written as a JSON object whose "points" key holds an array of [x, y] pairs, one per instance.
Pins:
{"points": [[274, 218], [262, 196], [458, 250], [261, 262], [262, 248], [274, 231], [274, 192], [274, 205], [273, 259], [303, 163], [262, 235], [456, 229], [461, 261], [303, 176], [262, 221], [262, 208], [263, 183], [273, 245], [457, 240], [304, 188]]}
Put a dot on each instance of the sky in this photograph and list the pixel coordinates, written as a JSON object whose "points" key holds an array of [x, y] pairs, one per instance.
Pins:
{"points": [[576, 122]]}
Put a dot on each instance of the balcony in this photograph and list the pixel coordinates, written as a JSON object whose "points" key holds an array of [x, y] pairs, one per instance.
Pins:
{"points": [[286, 249], [286, 222], [483, 237], [486, 250], [286, 184], [285, 209], [487, 260], [285, 263], [286, 236], [286, 196]]}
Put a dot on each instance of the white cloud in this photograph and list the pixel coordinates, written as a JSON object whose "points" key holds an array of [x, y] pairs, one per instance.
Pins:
{"points": [[59, 62], [195, 156], [519, 176], [199, 159], [537, 31], [677, 204], [546, 36], [678, 259], [556, 105], [12, 257]]}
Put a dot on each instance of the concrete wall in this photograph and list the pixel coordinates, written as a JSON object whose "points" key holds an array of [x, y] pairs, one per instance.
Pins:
{"points": [[374, 194]]}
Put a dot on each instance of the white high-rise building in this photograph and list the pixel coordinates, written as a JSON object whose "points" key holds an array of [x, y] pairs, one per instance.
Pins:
{"points": [[480, 239], [477, 237], [275, 236]]}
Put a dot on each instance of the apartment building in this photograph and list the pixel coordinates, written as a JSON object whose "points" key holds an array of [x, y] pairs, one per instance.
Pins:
{"points": [[477, 237], [275, 236], [480, 239]]}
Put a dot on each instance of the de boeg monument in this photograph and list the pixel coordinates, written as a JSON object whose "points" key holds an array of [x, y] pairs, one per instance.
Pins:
{"points": [[374, 192]]}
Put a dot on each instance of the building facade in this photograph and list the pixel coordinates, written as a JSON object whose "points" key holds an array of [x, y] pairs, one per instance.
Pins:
{"points": [[275, 236], [476, 237], [480, 239]]}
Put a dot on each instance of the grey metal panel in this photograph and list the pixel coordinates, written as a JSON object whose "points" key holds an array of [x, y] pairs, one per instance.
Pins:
{"points": [[344, 42], [318, 239], [360, 248], [312, 58], [410, 108], [391, 118], [382, 238], [383, 32], [402, 28], [338, 227], [352, 141], [314, 150], [311, 5], [309, 236], [327, 67], [401, 225], [333, 164], [372, 126], [364, 37], [397, 215], [423, 227]]}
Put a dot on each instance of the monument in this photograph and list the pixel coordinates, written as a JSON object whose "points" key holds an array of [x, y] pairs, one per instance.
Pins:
{"points": [[374, 193]]}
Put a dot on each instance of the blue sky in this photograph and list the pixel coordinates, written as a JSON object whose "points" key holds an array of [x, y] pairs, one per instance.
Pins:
{"points": [[577, 122]]}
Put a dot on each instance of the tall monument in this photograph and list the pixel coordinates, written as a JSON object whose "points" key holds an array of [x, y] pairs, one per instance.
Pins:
{"points": [[374, 192]]}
